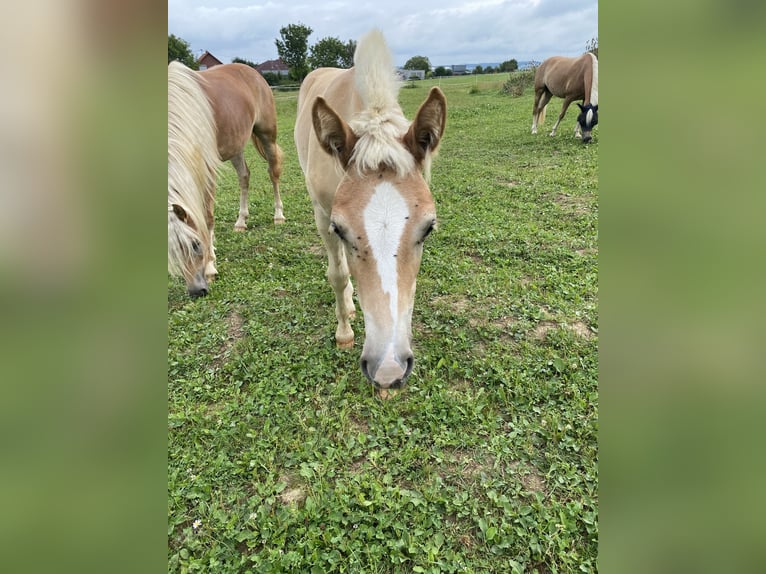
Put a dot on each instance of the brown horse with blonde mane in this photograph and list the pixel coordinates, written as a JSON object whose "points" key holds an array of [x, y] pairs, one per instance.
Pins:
{"points": [[571, 79], [367, 170], [211, 116]]}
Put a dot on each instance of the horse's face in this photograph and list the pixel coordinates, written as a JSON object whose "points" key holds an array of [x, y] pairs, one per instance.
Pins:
{"points": [[382, 215], [587, 119], [186, 252], [383, 221]]}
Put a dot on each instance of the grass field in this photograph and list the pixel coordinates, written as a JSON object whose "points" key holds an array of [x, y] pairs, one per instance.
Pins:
{"points": [[280, 457]]}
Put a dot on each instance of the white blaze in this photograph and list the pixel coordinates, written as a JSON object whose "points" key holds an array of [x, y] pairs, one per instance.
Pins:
{"points": [[589, 119], [384, 219]]}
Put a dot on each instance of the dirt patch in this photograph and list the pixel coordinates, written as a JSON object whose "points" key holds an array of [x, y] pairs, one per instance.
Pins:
{"points": [[533, 482], [529, 477], [586, 251], [234, 332], [581, 330], [293, 494], [540, 332], [470, 464], [234, 323], [455, 303], [576, 204], [505, 323]]}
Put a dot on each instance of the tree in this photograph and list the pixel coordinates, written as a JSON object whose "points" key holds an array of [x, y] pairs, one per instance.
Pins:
{"points": [[442, 71], [179, 49], [508, 66], [418, 63], [293, 49], [243, 61], [347, 60], [478, 70], [332, 53], [592, 46]]}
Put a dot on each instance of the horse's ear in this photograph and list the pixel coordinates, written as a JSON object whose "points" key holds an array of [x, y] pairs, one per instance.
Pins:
{"points": [[595, 108], [180, 212], [582, 109], [334, 135], [427, 128]]}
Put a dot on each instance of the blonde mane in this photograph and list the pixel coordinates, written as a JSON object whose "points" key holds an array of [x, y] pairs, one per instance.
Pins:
{"points": [[381, 124], [192, 164]]}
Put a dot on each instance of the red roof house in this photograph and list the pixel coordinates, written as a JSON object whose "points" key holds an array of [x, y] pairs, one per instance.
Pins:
{"points": [[273, 67], [207, 60]]}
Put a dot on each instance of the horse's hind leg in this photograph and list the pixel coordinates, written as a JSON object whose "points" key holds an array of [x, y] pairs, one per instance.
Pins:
{"points": [[542, 97], [266, 144], [243, 174], [567, 101]]}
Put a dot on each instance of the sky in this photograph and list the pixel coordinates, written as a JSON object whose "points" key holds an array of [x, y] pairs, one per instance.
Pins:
{"points": [[446, 32]]}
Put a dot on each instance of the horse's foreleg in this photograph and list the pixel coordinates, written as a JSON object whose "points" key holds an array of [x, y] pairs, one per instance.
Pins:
{"points": [[339, 278], [567, 101], [210, 271], [266, 144], [243, 174]]}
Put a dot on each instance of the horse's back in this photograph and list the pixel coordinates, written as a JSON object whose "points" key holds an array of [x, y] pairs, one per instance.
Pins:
{"points": [[562, 75], [241, 99]]}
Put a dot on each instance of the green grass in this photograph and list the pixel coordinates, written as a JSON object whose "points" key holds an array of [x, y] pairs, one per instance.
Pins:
{"points": [[281, 459]]}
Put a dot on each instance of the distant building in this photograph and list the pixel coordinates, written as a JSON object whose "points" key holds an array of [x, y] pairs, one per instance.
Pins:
{"points": [[459, 70], [207, 60], [411, 74], [274, 67]]}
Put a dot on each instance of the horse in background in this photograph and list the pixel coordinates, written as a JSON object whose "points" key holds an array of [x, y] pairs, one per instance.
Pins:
{"points": [[571, 79], [192, 167], [367, 170], [244, 109]]}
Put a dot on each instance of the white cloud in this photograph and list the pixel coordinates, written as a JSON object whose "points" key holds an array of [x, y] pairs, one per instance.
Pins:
{"points": [[446, 31]]}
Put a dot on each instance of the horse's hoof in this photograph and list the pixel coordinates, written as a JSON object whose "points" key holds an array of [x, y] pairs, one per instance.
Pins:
{"points": [[344, 344], [279, 220], [240, 228]]}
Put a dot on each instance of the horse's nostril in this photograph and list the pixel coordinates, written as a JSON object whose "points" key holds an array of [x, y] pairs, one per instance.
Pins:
{"points": [[408, 370]]}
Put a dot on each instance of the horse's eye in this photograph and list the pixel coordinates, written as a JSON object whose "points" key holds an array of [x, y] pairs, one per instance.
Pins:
{"points": [[196, 247], [428, 231]]}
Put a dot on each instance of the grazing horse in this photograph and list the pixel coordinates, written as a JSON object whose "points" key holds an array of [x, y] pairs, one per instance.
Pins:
{"points": [[571, 79], [244, 109], [366, 170], [192, 164]]}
